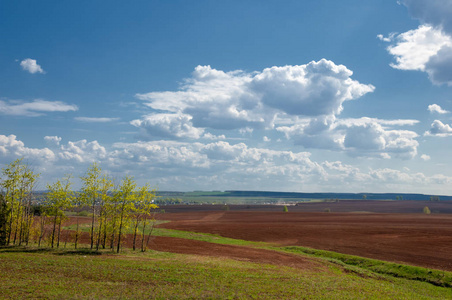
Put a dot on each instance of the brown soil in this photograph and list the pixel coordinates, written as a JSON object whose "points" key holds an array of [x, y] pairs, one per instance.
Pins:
{"points": [[185, 246], [417, 239], [352, 227]]}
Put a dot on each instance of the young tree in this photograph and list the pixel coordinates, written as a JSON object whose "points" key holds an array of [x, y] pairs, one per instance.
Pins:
{"points": [[17, 184], [106, 185], [90, 192], [4, 212], [59, 198], [143, 209], [127, 198]]}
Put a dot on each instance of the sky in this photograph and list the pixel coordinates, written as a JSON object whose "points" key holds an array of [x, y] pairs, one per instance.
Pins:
{"points": [[296, 96]]}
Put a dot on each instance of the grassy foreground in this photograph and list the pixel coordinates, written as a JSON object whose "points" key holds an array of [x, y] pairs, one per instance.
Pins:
{"points": [[65, 274]]}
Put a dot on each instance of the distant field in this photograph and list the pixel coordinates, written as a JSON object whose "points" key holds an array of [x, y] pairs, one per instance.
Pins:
{"points": [[404, 207]]}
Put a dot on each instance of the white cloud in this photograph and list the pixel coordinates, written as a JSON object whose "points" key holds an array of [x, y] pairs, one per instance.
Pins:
{"points": [[413, 49], [177, 125], [219, 165], [315, 89], [357, 137], [436, 108], [387, 39], [82, 151], [266, 139], [425, 157], [428, 48], [11, 148], [209, 136], [95, 120], [35, 108], [439, 129], [31, 66], [53, 140], [237, 100]]}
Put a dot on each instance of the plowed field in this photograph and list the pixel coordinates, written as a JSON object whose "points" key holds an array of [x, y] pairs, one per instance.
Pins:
{"points": [[416, 239]]}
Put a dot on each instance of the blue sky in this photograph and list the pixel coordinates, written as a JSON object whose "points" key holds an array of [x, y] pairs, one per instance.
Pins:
{"points": [[315, 96]]}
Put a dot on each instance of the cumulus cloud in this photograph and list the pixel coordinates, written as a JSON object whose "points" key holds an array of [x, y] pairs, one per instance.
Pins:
{"points": [[413, 49], [53, 140], [435, 108], [95, 120], [31, 66], [357, 137], [11, 148], [425, 157], [177, 125], [189, 166], [429, 47], [440, 129], [35, 108], [315, 89], [435, 12], [237, 100], [82, 151]]}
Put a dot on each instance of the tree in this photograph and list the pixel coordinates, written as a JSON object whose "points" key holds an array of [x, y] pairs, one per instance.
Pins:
{"points": [[427, 210], [90, 192], [4, 212], [146, 198], [127, 196], [17, 184], [285, 209], [106, 185], [59, 198]]}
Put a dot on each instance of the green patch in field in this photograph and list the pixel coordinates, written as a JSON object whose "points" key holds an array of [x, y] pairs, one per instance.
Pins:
{"points": [[205, 237], [435, 277]]}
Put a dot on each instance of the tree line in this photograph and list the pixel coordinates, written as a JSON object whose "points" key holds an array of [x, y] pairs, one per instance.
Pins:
{"points": [[114, 209]]}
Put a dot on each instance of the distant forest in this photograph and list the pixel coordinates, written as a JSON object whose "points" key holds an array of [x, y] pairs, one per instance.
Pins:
{"points": [[288, 195]]}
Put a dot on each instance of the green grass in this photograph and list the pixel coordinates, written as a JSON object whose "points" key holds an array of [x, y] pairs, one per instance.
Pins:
{"points": [[361, 267], [157, 275], [205, 237], [435, 277]]}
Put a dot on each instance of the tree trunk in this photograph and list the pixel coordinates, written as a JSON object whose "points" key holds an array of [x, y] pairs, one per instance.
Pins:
{"points": [[54, 227], [59, 231], [143, 235], [135, 233], [76, 236]]}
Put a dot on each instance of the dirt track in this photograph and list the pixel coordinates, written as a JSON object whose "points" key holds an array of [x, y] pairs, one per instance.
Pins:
{"points": [[417, 239]]}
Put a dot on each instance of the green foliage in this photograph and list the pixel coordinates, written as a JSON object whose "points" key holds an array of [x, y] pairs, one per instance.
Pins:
{"points": [[17, 183], [59, 198], [4, 212], [83, 213], [426, 210], [285, 209]]}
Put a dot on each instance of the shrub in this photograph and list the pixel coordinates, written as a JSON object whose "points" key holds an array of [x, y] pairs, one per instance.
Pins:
{"points": [[285, 209], [327, 210], [427, 210], [83, 213]]}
